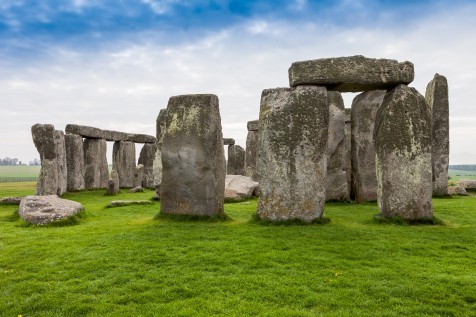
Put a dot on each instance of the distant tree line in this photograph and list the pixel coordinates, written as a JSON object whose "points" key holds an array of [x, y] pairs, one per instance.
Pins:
{"points": [[14, 161], [467, 167]]}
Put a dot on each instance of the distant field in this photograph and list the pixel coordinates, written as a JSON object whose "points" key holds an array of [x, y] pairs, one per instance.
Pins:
{"points": [[457, 174], [19, 171]]}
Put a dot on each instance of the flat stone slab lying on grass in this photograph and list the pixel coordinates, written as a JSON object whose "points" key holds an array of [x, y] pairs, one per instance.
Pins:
{"points": [[122, 203], [239, 187], [351, 74], [41, 210], [467, 184], [11, 200], [457, 190]]}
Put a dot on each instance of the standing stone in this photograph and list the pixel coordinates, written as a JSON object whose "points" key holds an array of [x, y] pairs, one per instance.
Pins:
{"points": [[157, 164], [293, 134], [351, 74], [348, 152], [44, 140], [74, 161], [336, 181], [236, 160], [193, 158], [62, 164], [251, 150], [124, 162], [138, 175], [113, 184], [402, 137], [437, 98], [364, 112], [146, 158], [96, 171]]}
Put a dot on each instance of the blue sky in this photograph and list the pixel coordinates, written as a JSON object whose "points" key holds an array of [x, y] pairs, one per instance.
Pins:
{"points": [[114, 64]]}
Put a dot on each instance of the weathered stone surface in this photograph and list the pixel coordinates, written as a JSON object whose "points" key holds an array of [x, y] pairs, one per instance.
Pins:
{"points": [[336, 181], [44, 140], [157, 164], [437, 98], [141, 138], [124, 162], [348, 151], [11, 200], [47, 183], [236, 160], [138, 175], [137, 189], [74, 161], [84, 131], [253, 125], [146, 158], [115, 136], [228, 141], [113, 184], [364, 113], [251, 154], [96, 173], [193, 158], [402, 139], [242, 186], [457, 190], [293, 134], [351, 74], [467, 184], [41, 210], [62, 164]]}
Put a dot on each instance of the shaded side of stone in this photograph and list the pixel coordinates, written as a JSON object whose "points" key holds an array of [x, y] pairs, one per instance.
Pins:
{"points": [[437, 99], [103, 165], [351, 74], [138, 175], [62, 163], [92, 164], [47, 183], [160, 131], [124, 162], [292, 153], [113, 184], [253, 125], [364, 113], [251, 154], [402, 139], [74, 161], [84, 131], [348, 152], [228, 141], [193, 159], [336, 181], [146, 158], [236, 160], [44, 139]]}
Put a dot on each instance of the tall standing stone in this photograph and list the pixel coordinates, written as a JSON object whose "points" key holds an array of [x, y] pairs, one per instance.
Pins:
{"points": [[251, 150], [146, 158], [193, 158], [336, 181], [113, 183], [236, 160], [124, 162], [74, 161], [62, 164], [292, 153], [96, 172], [364, 113], [160, 131], [348, 151], [138, 175], [437, 98], [44, 140], [402, 137]]}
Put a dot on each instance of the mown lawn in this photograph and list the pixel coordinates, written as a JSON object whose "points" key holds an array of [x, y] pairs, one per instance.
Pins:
{"points": [[124, 262], [20, 171]]}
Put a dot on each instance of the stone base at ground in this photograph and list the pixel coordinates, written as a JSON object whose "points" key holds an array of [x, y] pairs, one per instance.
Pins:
{"points": [[41, 210]]}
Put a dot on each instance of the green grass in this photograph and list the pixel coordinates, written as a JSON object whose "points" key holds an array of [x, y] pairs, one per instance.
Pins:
{"points": [[19, 171], [127, 262], [457, 175]]}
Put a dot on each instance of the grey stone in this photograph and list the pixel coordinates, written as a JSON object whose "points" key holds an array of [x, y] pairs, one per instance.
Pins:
{"points": [[113, 184], [364, 113], [115, 136], [251, 154], [228, 141], [124, 162], [41, 210], [336, 181], [437, 98], [122, 203], [74, 161], [47, 183], [44, 140], [141, 138], [157, 164], [348, 151], [138, 175], [193, 158], [351, 74], [62, 163], [467, 184], [236, 160], [84, 131], [253, 125], [402, 139], [11, 200], [146, 158], [457, 190], [137, 189], [242, 186], [293, 134], [96, 173]]}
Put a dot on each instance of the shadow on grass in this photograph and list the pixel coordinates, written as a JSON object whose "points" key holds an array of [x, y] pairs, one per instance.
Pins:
{"points": [[292, 222], [397, 220], [193, 218], [70, 221]]}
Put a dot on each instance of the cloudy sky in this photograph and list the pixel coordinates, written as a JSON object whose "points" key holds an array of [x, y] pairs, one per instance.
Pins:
{"points": [[114, 64]]}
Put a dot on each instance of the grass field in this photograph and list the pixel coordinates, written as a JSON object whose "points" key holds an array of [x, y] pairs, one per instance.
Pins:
{"points": [[19, 171], [126, 262], [457, 175]]}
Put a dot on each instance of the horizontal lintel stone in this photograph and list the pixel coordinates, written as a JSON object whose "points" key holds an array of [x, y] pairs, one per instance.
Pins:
{"points": [[228, 141], [109, 135]]}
